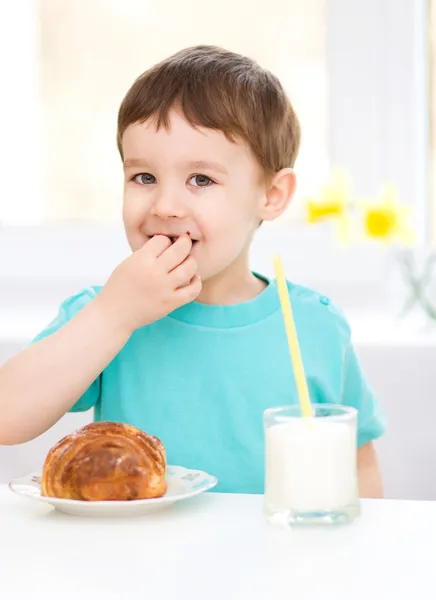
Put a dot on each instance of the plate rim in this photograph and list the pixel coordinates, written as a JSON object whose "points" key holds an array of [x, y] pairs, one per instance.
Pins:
{"points": [[213, 481]]}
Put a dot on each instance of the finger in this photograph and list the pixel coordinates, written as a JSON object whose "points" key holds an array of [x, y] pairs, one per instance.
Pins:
{"points": [[183, 274], [176, 254], [189, 292], [157, 245]]}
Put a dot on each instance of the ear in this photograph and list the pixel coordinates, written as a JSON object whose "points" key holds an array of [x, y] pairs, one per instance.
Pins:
{"points": [[279, 195]]}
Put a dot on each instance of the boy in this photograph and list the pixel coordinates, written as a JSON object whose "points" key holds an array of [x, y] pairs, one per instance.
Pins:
{"points": [[184, 341]]}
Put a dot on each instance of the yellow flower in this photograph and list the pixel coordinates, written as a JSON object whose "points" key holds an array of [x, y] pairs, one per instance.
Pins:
{"points": [[332, 204], [386, 220], [321, 211]]}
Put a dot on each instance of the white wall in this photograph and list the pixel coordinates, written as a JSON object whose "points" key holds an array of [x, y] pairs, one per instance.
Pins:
{"points": [[400, 369], [403, 377]]}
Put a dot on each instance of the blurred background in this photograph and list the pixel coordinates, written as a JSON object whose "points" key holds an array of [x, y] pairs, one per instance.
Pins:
{"points": [[362, 77]]}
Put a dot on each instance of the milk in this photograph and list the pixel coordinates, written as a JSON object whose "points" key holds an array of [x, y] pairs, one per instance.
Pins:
{"points": [[310, 465]]}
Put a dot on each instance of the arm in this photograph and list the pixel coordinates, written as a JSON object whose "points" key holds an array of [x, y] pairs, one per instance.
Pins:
{"points": [[369, 475], [39, 385]]}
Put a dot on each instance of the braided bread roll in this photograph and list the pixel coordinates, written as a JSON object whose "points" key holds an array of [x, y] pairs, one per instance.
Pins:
{"points": [[105, 461]]}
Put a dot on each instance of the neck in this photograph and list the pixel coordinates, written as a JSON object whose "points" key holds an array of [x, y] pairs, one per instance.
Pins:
{"points": [[234, 285]]}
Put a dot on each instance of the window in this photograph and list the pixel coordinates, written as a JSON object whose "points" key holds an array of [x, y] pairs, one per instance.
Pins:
{"points": [[89, 53], [432, 72]]}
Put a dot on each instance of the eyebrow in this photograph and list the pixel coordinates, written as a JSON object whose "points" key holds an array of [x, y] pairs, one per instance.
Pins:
{"points": [[204, 164], [196, 165], [133, 162]]}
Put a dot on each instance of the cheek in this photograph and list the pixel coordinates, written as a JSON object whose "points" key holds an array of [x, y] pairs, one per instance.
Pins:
{"points": [[237, 216], [133, 217], [235, 206], [227, 230], [133, 210]]}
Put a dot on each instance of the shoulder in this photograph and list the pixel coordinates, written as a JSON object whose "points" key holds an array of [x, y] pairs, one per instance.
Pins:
{"points": [[68, 309], [312, 307], [80, 299]]}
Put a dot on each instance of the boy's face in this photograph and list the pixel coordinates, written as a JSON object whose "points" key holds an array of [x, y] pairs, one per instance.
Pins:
{"points": [[185, 179]]}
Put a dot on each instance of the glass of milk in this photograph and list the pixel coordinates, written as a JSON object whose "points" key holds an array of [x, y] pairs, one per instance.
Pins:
{"points": [[311, 465]]}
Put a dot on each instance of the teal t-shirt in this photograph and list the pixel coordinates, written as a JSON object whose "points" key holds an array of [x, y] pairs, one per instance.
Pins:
{"points": [[201, 378]]}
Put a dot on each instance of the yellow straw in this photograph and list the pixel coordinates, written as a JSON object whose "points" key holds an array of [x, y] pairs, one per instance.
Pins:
{"points": [[291, 332]]}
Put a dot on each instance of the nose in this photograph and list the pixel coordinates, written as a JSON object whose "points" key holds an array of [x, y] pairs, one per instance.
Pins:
{"points": [[168, 205]]}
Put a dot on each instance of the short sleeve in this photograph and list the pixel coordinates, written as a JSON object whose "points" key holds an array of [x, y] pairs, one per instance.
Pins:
{"points": [[356, 391], [68, 309]]}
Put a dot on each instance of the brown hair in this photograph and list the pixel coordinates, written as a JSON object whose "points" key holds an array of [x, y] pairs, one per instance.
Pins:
{"points": [[220, 90]]}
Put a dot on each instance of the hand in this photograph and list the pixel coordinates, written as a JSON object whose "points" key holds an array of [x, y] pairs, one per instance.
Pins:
{"points": [[151, 283]]}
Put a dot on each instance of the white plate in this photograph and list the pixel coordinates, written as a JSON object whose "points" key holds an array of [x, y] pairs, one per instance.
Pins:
{"points": [[182, 484]]}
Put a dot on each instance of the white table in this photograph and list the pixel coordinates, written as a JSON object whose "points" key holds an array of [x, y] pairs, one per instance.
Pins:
{"points": [[216, 547]]}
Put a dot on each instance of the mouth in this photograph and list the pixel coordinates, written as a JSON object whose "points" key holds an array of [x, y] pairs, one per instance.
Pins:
{"points": [[174, 238]]}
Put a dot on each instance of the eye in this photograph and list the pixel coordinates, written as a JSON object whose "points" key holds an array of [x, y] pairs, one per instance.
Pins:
{"points": [[200, 181], [144, 178]]}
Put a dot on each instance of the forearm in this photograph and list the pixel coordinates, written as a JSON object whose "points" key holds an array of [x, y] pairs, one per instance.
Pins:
{"points": [[369, 473], [38, 386]]}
